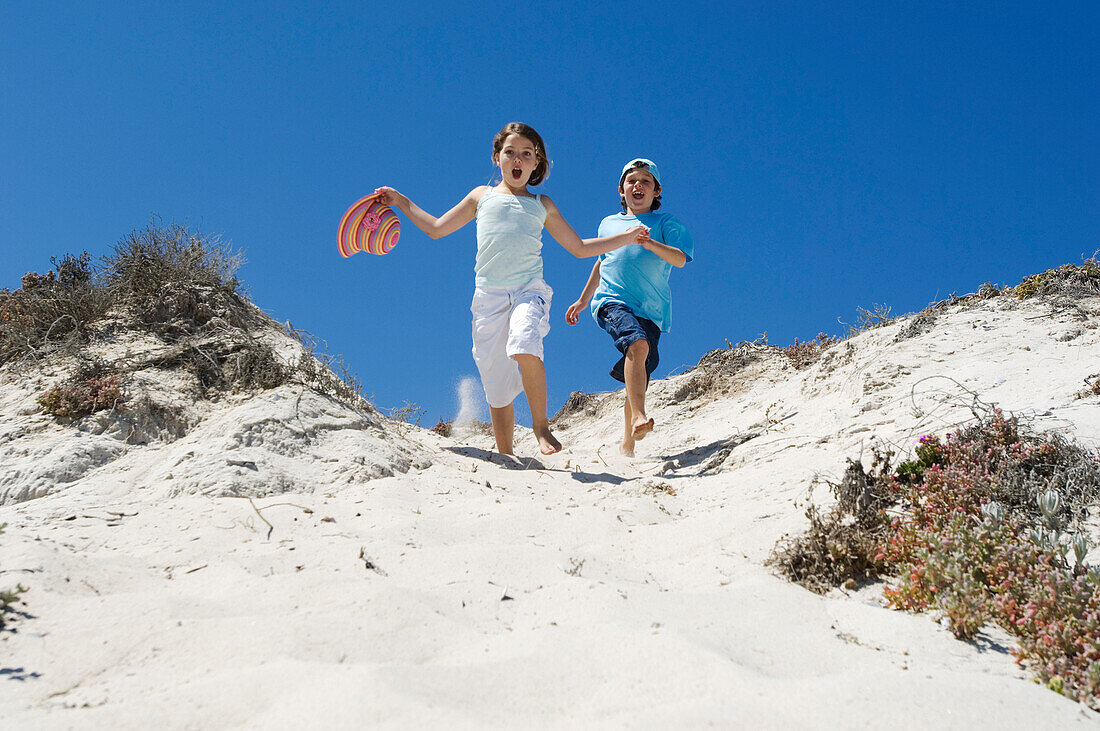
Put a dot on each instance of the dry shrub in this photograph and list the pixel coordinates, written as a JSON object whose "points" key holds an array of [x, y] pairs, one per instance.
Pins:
{"points": [[696, 384], [183, 287], [325, 373], [9, 597], [51, 311], [145, 420], [842, 543], [717, 369], [577, 403], [176, 282], [227, 364], [1092, 384], [471, 427], [918, 324], [876, 317], [255, 365], [1068, 281], [727, 362], [805, 354]]}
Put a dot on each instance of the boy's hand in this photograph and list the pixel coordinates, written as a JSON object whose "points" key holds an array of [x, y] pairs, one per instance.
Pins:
{"points": [[638, 235], [573, 314], [390, 197]]}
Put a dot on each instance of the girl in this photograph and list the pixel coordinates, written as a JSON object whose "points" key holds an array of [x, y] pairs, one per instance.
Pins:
{"points": [[511, 304]]}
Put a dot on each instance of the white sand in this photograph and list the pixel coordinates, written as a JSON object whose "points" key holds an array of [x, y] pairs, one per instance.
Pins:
{"points": [[410, 580]]}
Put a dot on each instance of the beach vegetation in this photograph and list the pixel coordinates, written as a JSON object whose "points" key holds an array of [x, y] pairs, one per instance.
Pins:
{"points": [[177, 284], [94, 387], [9, 596], [876, 317], [51, 312], [577, 403], [984, 525], [802, 355], [1067, 280]]}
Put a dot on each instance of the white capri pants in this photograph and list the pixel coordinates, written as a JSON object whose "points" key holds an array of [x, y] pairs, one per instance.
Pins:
{"points": [[508, 321]]}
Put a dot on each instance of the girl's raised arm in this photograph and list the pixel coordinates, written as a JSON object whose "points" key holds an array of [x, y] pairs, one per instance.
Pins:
{"points": [[564, 234], [436, 228]]}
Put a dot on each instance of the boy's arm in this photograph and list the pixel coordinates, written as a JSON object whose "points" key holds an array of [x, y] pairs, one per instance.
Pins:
{"points": [[671, 254], [564, 234], [676, 246], [446, 224], [573, 314]]}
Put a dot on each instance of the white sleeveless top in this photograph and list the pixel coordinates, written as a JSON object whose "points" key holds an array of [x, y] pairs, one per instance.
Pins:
{"points": [[509, 239]]}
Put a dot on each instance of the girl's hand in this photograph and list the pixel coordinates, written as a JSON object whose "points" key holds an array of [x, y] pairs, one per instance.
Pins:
{"points": [[638, 235], [390, 197], [573, 314]]}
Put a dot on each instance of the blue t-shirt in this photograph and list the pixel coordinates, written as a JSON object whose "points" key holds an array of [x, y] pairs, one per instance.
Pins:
{"points": [[638, 278]]}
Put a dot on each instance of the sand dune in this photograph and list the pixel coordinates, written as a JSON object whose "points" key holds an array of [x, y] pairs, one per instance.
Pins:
{"points": [[280, 559]]}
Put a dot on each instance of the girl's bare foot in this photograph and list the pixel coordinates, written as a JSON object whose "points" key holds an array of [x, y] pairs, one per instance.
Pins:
{"points": [[548, 444], [642, 426]]}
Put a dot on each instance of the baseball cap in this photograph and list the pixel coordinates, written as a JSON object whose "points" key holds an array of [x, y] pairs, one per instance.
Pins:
{"points": [[641, 163]]}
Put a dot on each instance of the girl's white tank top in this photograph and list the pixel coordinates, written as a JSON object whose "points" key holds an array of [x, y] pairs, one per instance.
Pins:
{"points": [[509, 239]]}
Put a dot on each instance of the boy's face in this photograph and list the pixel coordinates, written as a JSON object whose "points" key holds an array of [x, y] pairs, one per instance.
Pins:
{"points": [[638, 190]]}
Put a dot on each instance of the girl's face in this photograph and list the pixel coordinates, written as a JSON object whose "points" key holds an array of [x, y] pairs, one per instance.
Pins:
{"points": [[517, 160], [639, 189]]}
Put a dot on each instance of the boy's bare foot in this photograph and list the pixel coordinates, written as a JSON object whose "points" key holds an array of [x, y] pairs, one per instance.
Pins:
{"points": [[626, 451], [642, 426], [548, 443]]}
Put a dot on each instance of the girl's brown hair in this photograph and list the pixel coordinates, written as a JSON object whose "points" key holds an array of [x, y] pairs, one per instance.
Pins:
{"points": [[525, 130]]}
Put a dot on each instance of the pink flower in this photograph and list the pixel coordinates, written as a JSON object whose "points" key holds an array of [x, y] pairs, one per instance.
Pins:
{"points": [[372, 221]]}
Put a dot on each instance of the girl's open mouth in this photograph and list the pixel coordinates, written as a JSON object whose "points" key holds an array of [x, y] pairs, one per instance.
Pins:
{"points": [[516, 173]]}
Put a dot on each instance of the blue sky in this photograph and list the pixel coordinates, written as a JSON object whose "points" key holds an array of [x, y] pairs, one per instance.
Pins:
{"points": [[825, 155]]}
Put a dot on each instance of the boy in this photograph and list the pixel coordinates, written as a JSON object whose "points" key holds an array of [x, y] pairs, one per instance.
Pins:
{"points": [[629, 289]]}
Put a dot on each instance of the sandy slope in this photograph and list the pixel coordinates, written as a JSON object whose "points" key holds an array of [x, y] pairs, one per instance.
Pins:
{"points": [[290, 562]]}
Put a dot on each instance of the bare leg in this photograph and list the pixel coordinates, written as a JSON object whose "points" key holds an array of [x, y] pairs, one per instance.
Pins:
{"points": [[533, 373], [627, 447], [635, 374], [504, 422]]}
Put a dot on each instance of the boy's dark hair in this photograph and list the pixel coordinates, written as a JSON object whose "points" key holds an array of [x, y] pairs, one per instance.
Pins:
{"points": [[542, 170], [656, 198]]}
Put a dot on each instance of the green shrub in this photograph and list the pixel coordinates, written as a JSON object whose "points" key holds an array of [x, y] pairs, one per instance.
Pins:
{"points": [[929, 452]]}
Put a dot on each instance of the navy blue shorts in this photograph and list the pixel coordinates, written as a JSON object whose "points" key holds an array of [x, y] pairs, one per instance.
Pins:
{"points": [[626, 328]]}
